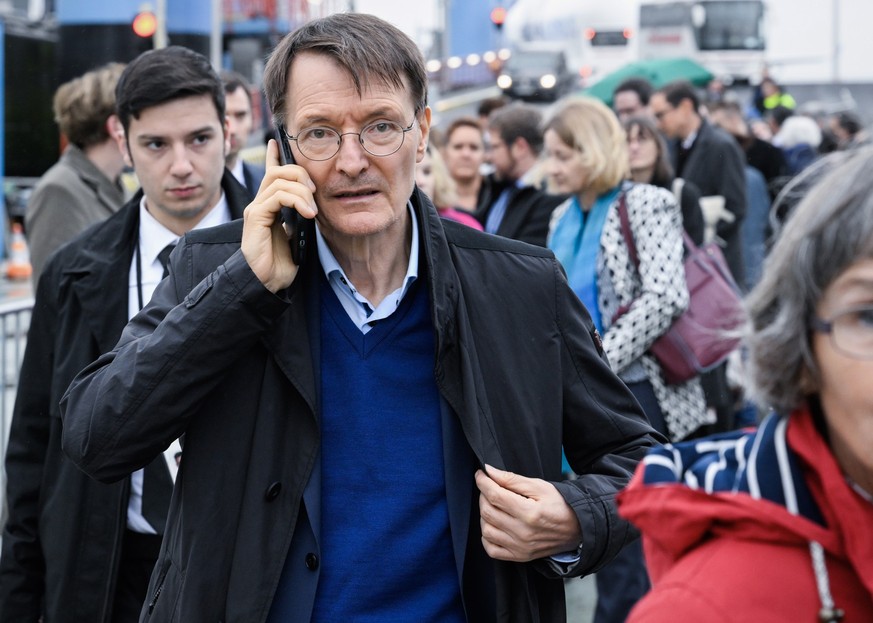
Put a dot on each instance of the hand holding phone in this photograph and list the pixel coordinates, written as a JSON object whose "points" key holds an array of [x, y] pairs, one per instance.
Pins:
{"points": [[300, 229]]}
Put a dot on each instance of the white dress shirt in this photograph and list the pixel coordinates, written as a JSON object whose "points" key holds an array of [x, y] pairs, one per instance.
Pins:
{"points": [[153, 237], [360, 310]]}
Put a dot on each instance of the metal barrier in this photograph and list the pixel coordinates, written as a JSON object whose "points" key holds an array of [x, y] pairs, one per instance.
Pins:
{"points": [[14, 323]]}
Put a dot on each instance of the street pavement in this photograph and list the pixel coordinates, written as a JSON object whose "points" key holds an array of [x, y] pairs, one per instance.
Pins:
{"points": [[581, 599]]}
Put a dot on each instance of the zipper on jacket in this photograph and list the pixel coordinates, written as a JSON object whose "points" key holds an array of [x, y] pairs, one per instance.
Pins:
{"points": [[159, 588]]}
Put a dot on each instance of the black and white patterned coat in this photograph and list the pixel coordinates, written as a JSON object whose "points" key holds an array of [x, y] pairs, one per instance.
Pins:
{"points": [[656, 294]]}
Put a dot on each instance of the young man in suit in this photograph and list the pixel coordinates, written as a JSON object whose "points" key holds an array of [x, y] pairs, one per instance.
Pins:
{"points": [[75, 549]]}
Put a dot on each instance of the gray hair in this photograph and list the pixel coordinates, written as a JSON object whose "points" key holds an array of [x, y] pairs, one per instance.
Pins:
{"points": [[830, 230], [368, 48], [798, 130]]}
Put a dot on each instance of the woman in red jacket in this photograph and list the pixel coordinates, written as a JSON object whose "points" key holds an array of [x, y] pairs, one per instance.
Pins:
{"points": [[774, 524]]}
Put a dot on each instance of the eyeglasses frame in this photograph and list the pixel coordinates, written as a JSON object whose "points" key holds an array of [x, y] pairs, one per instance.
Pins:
{"points": [[340, 135], [821, 325]]}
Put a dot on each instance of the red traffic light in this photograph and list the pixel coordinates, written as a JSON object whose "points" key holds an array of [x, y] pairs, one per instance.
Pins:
{"points": [[498, 16], [145, 24]]}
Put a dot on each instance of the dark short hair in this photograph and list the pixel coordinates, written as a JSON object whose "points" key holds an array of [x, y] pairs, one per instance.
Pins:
{"points": [[233, 80], [679, 90], [642, 87], [518, 121], [849, 121], [490, 104], [463, 122], [779, 114], [160, 76], [368, 48]]}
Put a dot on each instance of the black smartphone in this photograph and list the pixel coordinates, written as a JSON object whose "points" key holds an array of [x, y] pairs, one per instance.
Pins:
{"points": [[301, 229]]}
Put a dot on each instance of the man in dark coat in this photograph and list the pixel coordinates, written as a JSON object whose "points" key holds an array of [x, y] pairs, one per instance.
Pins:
{"points": [[376, 432], [511, 203], [708, 157], [240, 119], [74, 549]]}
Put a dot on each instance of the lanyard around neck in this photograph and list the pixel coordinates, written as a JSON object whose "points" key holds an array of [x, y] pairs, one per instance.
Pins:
{"points": [[139, 275]]}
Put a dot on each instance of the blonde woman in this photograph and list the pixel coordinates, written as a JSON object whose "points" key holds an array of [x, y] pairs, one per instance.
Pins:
{"points": [[586, 157]]}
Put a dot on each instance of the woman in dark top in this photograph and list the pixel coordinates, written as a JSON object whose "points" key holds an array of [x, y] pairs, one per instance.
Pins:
{"points": [[650, 164]]}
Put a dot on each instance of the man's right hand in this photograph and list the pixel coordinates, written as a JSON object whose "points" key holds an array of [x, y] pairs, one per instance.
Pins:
{"points": [[264, 240]]}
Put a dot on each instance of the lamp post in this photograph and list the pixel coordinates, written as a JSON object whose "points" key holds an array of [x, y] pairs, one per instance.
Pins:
{"points": [[835, 54], [160, 39]]}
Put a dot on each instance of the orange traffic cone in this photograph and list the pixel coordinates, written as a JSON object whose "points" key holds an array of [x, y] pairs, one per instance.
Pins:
{"points": [[18, 266]]}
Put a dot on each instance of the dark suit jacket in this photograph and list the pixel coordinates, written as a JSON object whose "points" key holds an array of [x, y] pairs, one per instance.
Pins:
{"points": [[716, 165], [527, 213], [80, 310], [253, 175]]}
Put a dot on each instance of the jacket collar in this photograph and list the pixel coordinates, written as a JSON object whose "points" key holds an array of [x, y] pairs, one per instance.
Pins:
{"points": [[108, 191], [98, 272], [456, 369]]}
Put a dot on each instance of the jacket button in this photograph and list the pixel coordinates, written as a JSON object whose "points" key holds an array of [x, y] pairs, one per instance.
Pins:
{"points": [[311, 562], [273, 491]]}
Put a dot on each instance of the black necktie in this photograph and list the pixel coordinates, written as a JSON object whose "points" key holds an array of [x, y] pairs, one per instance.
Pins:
{"points": [[164, 257], [682, 154], [157, 484]]}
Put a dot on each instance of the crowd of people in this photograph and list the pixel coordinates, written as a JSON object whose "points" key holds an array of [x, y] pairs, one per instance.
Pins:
{"points": [[448, 407]]}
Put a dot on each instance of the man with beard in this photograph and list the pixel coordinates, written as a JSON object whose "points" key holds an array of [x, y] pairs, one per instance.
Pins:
{"points": [[511, 201]]}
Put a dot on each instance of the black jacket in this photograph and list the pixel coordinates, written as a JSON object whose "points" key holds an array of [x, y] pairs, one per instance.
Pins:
{"points": [[527, 213], [253, 175], [61, 542], [217, 356], [716, 165]]}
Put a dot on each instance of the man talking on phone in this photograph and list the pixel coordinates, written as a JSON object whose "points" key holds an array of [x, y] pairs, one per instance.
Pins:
{"points": [[374, 434], [75, 549]]}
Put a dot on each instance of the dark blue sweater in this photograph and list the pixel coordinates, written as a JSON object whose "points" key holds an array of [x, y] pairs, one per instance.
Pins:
{"points": [[386, 548]]}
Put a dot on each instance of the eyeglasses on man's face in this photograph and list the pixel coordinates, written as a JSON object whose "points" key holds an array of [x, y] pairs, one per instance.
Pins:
{"points": [[381, 138], [850, 331]]}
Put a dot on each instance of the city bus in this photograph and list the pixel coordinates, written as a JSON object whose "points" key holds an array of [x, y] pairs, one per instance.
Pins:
{"points": [[726, 36]]}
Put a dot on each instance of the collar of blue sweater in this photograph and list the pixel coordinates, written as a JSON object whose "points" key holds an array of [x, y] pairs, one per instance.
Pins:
{"points": [[359, 309]]}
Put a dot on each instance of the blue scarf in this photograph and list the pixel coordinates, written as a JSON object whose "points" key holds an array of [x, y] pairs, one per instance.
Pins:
{"points": [[576, 242]]}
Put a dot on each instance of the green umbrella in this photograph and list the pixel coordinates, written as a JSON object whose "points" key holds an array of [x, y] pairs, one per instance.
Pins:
{"points": [[657, 71]]}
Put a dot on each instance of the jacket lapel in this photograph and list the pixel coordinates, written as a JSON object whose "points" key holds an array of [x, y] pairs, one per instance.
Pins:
{"points": [[294, 338], [457, 371], [99, 275]]}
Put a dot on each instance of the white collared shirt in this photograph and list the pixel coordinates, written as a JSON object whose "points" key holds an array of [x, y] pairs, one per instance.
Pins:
{"points": [[688, 143], [153, 237], [358, 308], [237, 171]]}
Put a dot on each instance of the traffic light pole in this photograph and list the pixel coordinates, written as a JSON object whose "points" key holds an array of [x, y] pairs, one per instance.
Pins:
{"points": [[160, 37]]}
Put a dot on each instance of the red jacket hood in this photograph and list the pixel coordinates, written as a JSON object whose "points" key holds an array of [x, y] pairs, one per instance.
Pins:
{"points": [[674, 517]]}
